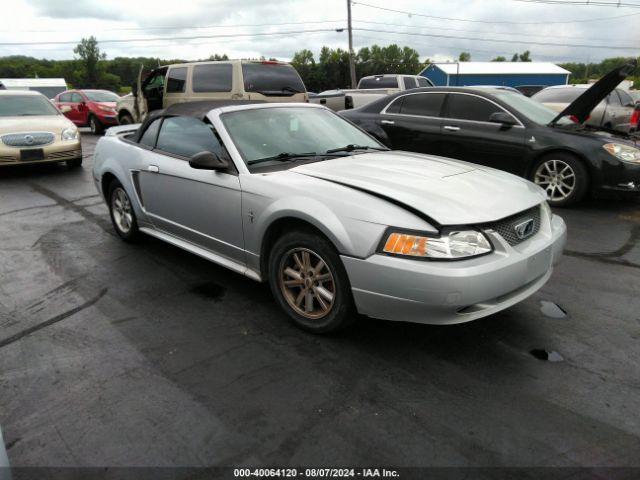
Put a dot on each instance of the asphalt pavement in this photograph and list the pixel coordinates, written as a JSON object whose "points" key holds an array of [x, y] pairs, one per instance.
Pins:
{"points": [[114, 354]]}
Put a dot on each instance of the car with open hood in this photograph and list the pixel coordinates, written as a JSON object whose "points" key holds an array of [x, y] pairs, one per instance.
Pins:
{"points": [[494, 127], [33, 130], [294, 195]]}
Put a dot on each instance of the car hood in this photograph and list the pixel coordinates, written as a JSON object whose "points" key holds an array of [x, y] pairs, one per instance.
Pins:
{"points": [[582, 106], [34, 123], [449, 192]]}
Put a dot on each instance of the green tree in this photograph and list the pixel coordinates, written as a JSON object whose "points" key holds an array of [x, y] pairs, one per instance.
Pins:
{"points": [[90, 57], [499, 58], [464, 57]]}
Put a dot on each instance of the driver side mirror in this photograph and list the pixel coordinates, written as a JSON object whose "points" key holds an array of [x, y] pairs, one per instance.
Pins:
{"points": [[502, 118], [208, 161]]}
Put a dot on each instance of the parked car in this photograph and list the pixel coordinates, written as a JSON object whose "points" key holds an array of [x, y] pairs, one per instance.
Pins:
{"points": [[32, 130], [270, 81], [295, 195], [511, 132], [529, 90], [89, 108], [612, 112], [369, 89]]}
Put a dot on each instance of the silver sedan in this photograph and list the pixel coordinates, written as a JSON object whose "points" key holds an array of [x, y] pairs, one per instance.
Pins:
{"points": [[294, 195]]}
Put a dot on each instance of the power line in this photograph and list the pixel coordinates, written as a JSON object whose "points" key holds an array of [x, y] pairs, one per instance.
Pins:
{"points": [[501, 40], [178, 27], [414, 14], [590, 3], [192, 37], [521, 35]]}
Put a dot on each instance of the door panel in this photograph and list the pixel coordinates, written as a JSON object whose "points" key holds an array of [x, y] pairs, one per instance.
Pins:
{"points": [[479, 141], [200, 206], [412, 122]]}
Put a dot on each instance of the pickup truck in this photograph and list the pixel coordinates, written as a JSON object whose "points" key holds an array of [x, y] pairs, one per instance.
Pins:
{"points": [[369, 89]]}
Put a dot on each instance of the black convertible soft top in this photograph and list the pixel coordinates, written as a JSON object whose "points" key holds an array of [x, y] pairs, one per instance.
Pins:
{"points": [[190, 109]]}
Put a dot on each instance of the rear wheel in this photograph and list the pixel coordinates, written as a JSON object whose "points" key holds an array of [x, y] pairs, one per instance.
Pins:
{"points": [[121, 211], [125, 119], [563, 177], [310, 283], [96, 127]]}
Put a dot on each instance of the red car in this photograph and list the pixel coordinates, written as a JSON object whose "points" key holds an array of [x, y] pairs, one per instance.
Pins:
{"points": [[89, 108]]}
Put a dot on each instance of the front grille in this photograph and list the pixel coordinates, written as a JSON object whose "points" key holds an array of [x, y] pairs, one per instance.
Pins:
{"points": [[67, 154], [506, 227], [28, 139]]}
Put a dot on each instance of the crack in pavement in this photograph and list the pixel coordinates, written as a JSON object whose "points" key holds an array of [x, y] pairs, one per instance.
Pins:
{"points": [[54, 320], [615, 257]]}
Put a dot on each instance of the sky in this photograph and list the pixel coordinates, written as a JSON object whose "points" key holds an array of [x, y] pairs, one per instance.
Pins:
{"points": [[255, 28]]}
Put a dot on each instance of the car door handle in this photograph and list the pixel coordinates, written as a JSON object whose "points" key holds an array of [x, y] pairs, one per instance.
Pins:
{"points": [[387, 122], [451, 128], [153, 169]]}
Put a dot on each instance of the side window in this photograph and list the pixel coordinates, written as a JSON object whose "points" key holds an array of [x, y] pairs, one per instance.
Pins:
{"points": [[613, 99], [212, 78], [186, 136], [65, 97], [423, 82], [423, 104], [177, 80], [410, 82], [76, 98], [469, 107], [150, 134], [395, 106], [625, 98]]}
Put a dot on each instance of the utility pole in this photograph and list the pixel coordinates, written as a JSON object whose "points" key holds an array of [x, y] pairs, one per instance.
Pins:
{"points": [[352, 63]]}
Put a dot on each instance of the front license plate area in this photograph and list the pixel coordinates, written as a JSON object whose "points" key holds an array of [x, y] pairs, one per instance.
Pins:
{"points": [[32, 154]]}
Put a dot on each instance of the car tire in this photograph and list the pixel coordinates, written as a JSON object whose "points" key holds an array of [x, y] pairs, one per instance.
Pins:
{"points": [[310, 283], [563, 176], [123, 217], [125, 119], [75, 163], [96, 127]]}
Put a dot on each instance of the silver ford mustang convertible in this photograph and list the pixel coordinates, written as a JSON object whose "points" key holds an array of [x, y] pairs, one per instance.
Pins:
{"points": [[297, 196]]}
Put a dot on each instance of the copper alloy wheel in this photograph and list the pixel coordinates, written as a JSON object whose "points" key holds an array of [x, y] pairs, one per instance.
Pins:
{"points": [[122, 211], [307, 283], [557, 178]]}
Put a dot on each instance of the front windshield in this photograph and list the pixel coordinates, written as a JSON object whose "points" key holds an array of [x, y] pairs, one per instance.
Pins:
{"points": [[25, 105], [534, 111], [267, 132], [101, 96]]}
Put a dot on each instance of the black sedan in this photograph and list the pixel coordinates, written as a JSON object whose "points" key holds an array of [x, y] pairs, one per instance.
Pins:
{"points": [[508, 131]]}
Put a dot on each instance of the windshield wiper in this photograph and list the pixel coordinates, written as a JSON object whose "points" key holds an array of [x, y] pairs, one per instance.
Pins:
{"points": [[286, 157], [351, 147]]}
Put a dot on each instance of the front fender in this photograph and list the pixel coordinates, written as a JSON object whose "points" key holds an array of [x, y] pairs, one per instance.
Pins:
{"points": [[306, 209]]}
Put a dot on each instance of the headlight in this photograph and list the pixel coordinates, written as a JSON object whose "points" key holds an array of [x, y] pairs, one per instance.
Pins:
{"points": [[107, 109], [451, 245], [70, 133], [625, 153]]}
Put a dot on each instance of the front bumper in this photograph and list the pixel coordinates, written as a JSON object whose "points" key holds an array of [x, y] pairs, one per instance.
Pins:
{"points": [[393, 288], [619, 175], [58, 151]]}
